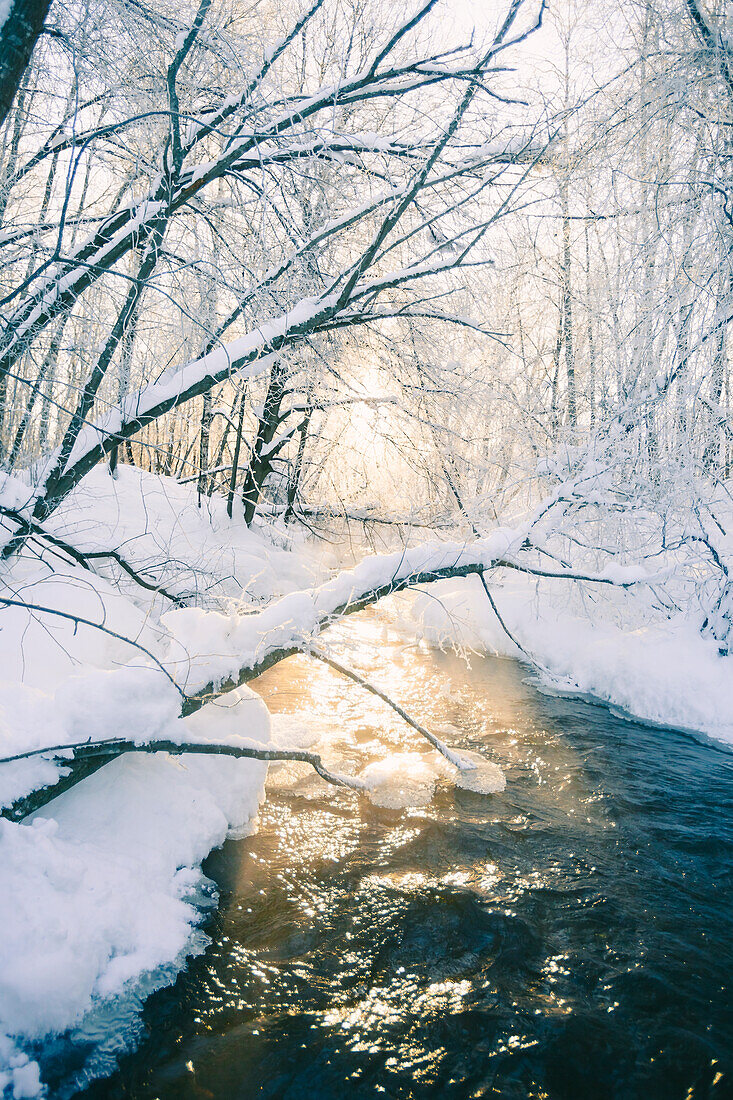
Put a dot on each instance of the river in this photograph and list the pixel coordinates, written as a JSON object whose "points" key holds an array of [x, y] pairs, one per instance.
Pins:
{"points": [[568, 939]]}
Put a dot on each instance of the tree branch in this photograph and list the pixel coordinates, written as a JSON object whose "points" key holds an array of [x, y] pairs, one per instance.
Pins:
{"points": [[90, 756]]}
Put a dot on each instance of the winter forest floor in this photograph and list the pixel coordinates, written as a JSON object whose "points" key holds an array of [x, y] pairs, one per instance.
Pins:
{"points": [[102, 890]]}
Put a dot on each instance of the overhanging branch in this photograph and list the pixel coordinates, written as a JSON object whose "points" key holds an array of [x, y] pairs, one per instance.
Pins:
{"points": [[88, 757], [327, 606]]}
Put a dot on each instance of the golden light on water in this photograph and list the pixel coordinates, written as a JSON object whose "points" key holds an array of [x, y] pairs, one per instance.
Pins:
{"points": [[322, 852], [433, 944], [354, 731]]}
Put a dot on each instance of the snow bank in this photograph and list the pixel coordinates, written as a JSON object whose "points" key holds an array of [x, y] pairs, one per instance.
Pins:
{"points": [[159, 528], [665, 673], [62, 682], [104, 886]]}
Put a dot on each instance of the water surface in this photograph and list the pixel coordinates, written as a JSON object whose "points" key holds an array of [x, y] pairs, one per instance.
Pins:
{"points": [[568, 939]]}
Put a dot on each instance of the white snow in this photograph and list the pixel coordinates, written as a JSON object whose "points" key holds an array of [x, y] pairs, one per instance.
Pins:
{"points": [[664, 673], [484, 777], [103, 887], [15, 493], [217, 646], [407, 780], [399, 781], [19, 1076]]}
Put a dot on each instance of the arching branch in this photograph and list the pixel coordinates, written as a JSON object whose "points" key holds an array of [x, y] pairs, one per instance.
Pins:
{"points": [[291, 624]]}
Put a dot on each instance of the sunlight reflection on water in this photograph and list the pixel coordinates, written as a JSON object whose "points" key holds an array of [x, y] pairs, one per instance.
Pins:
{"points": [[569, 938]]}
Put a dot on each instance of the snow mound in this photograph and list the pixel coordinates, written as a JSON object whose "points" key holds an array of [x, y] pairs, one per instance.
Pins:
{"points": [[400, 781], [484, 778]]}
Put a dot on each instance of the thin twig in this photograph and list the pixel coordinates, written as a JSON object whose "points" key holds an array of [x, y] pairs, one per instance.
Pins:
{"points": [[82, 558], [454, 758]]}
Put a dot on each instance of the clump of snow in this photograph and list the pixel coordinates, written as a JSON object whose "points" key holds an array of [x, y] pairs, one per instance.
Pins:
{"points": [[400, 781], [15, 493], [19, 1076], [289, 732], [5, 8], [484, 777], [99, 704]]}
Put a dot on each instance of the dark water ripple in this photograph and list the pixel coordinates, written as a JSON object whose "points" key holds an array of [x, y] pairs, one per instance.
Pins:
{"points": [[570, 939]]}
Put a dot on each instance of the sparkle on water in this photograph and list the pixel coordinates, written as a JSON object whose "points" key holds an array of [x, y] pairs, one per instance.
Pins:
{"points": [[570, 938]]}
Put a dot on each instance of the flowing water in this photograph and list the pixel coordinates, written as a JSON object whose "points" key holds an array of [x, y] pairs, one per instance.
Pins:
{"points": [[571, 937]]}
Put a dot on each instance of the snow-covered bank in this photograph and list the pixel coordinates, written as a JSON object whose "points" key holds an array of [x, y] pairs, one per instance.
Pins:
{"points": [[665, 673], [105, 886], [102, 889]]}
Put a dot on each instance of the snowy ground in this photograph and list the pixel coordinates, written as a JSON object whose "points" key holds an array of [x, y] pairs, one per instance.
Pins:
{"points": [[103, 890]]}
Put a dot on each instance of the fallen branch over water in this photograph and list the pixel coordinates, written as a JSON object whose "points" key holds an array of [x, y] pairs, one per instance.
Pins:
{"points": [[254, 643], [455, 758], [89, 756]]}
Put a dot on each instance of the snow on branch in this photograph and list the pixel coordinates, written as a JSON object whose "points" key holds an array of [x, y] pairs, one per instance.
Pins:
{"points": [[57, 286], [248, 645], [248, 356], [211, 654], [84, 758]]}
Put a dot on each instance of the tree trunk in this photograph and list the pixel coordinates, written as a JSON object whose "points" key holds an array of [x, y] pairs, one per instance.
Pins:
{"points": [[18, 36], [235, 458], [260, 462], [294, 483], [567, 308], [204, 480]]}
